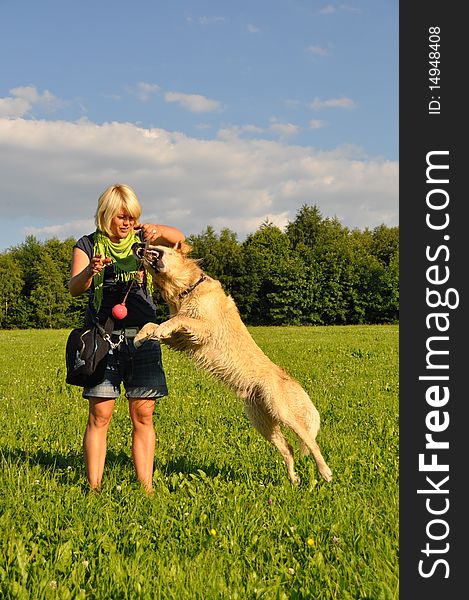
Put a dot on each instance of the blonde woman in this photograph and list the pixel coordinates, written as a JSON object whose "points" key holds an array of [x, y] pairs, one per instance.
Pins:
{"points": [[104, 266]]}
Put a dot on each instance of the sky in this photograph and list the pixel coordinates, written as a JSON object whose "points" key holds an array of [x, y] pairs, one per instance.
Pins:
{"points": [[217, 113]]}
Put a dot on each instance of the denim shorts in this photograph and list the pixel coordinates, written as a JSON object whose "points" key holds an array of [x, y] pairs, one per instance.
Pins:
{"points": [[140, 370]]}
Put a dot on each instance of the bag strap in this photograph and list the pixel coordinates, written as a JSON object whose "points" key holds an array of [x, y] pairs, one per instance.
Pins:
{"points": [[108, 326], [106, 331]]}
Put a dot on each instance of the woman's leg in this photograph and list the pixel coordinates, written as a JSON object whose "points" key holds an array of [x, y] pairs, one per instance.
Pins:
{"points": [[94, 440], [143, 439]]}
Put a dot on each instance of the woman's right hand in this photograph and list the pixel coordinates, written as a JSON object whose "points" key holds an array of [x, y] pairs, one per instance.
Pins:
{"points": [[83, 271], [97, 264]]}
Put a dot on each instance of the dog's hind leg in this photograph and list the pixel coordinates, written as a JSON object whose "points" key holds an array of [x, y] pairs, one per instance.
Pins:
{"points": [[269, 428], [308, 442], [301, 416], [321, 464]]}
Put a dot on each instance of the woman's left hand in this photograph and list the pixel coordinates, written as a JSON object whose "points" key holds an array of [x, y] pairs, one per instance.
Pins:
{"points": [[164, 235], [151, 232]]}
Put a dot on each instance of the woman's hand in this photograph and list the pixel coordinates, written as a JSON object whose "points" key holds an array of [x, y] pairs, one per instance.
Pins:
{"points": [[161, 234], [151, 232], [97, 264], [83, 271]]}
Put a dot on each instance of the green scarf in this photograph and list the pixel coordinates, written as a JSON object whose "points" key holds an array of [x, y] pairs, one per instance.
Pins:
{"points": [[124, 262]]}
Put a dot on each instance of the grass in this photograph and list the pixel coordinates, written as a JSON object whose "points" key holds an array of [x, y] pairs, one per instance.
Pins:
{"points": [[224, 521]]}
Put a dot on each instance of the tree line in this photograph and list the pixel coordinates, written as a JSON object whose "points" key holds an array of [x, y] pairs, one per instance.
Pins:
{"points": [[314, 272]]}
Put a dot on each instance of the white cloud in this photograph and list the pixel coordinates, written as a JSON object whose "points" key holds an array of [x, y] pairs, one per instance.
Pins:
{"points": [[205, 20], [284, 129], [328, 9], [145, 90], [210, 20], [343, 102], [331, 9], [53, 172], [252, 28], [235, 131], [14, 107], [317, 51], [317, 124], [193, 102], [63, 230], [28, 93], [23, 99], [249, 128]]}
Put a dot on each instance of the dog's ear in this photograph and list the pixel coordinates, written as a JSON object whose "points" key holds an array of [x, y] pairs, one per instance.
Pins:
{"points": [[182, 247]]}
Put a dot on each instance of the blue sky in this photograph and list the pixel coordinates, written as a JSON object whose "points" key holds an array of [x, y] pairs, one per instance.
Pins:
{"points": [[217, 113]]}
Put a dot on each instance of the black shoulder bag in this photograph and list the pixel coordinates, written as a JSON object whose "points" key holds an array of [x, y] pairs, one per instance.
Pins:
{"points": [[86, 353]]}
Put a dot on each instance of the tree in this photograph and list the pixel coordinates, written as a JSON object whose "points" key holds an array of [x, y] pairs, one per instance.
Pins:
{"points": [[266, 277], [61, 253], [28, 256], [11, 286], [316, 272], [305, 229], [50, 298], [220, 255], [385, 243]]}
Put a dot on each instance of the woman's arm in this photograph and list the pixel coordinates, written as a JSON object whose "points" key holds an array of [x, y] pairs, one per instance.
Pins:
{"points": [[164, 235], [83, 270]]}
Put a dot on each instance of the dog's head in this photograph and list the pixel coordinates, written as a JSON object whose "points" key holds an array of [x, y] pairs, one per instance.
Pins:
{"points": [[160, 259]]}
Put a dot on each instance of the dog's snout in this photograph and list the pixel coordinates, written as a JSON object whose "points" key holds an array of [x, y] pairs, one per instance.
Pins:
{"points": [[138, 250], [152, 254], [142, 251]]}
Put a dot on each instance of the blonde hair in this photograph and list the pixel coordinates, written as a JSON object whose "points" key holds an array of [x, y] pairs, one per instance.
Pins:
{"points": [[113, 200]]}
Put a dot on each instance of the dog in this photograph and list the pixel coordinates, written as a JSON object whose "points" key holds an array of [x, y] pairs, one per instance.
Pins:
{"points": [[205, 323]]}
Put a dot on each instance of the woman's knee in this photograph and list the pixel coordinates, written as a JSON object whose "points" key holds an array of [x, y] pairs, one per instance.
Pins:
{"points": [[141, 412], [100, 413]]}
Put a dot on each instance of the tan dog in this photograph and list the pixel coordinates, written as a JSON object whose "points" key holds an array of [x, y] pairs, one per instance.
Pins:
{"points": [[206, 324]]}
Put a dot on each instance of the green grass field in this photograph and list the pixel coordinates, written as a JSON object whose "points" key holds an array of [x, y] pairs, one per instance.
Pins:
{"points": [[224, 521]]}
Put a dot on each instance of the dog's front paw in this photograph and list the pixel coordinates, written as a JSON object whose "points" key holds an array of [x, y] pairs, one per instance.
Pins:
{"points": [[147, 332], [164, 330]]}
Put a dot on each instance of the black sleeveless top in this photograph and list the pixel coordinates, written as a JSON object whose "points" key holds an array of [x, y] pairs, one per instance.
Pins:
{"points": [[140, 306]]}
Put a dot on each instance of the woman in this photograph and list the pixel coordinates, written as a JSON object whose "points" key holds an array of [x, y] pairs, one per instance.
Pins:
{"points": [[104, 265]]}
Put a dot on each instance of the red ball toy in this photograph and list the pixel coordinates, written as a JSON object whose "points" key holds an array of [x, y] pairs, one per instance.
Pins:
{"points": [[119, 311]]}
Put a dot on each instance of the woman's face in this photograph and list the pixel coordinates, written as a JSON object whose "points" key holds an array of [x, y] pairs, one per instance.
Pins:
{"points": [[121, 225]]}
